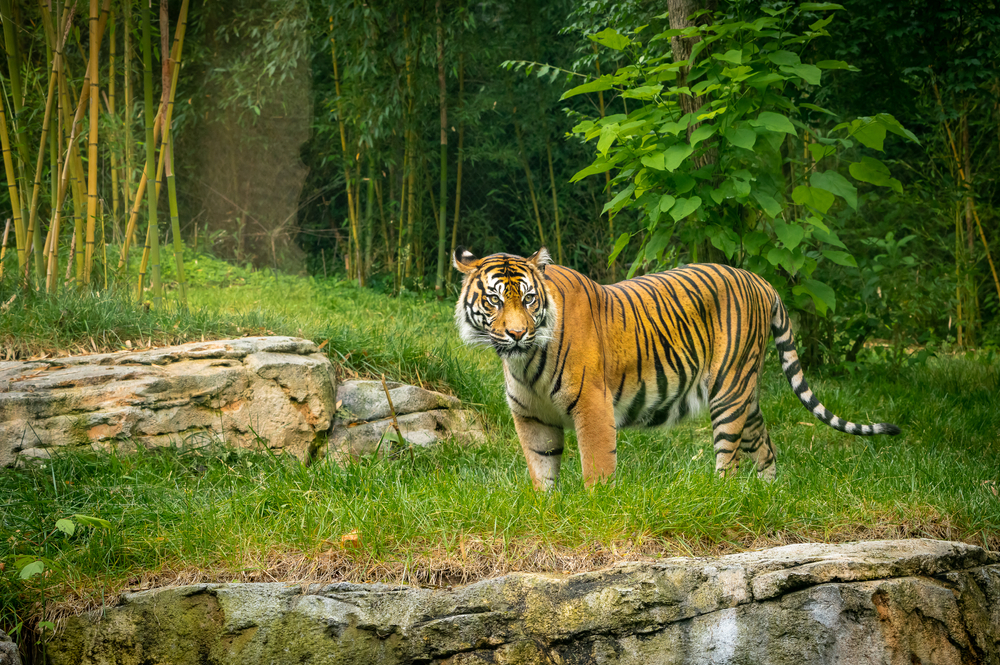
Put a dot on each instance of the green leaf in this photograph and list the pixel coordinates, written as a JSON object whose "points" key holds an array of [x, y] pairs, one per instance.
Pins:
{"points": [[840, 258], [741, 137], [600, 165], [818, 109], [771, 207], [725, 240], [872, 170], [657, 244], [835, 64], [96, 522], [837, 184], [603, 83], [869, 132], [654, 160], [822, 295], [895, 127], [611, 38], [666, 202], [811, 74], [790, 235], [676, 154], [829, 237], [620, 244], [30, 570], [66, 526], [733, 56], [819, 151], [774, 122], [643, 92], [784, 58], [608, 135], [819, 6], [703, 132], [818, 199], [753, 241], [615, 204], [685, 207]]}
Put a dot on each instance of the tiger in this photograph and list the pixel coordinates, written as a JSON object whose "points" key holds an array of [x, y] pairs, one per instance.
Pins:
{"points": [[644, 352]]}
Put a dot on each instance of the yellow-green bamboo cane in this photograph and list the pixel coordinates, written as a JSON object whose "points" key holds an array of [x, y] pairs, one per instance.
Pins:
{"points": [[147, 85], [127, 82], [20, 136], [95, 114], [9, 169], [36, 189], [175, 223], [111, 112]]}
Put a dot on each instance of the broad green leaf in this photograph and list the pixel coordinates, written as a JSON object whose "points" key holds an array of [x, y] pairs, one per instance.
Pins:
{"points": [[893, 126], [742, 187], [837, 184], [780, 256], [771, 207], [32, 569], [66, 526], [774, 122], [676, 154], [600, 165], [608, 136], [620, 244], [654, 160], [603, 83], [819, 151], [869, 132], [811, 74], [784, 58], [753, 241], [818, 109], [702, 133], [762, 80], [790, 235], [685, 207], [835, 64], [818, 199], [741, 137], [611, 38], [643, 92], [840, 258], [724, 240], [829, 236], [711, 114], [683, 183], [657, 244], [615, 204], [733, 56], [666, 202], [96, 522], [822, 295], [819, 6], [872, 170], [816, 222]]}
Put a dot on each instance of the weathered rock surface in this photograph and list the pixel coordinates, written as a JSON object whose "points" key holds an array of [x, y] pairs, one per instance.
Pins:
{"points": [[913, 601], [424, 417], [280, 389], [8, 651]]}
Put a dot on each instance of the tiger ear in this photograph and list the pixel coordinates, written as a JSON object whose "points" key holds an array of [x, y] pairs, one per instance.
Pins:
{"points": [[540, 259], [465, 261]]}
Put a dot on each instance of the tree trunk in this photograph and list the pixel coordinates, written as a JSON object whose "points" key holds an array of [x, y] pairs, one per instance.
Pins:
{"points": [[461, 145], [680, 17]]}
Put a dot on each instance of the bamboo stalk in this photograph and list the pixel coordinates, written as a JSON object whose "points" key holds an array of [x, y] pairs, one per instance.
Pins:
{"points": [[968, 187], [442, 212], [32, 230], [555, 199], [111, 112], [20, 138], [175, 224], [369, 214], [411, 143], [152, 231], [93, 136], [351, 207], [461, 154], [127, 124], [15, 203], [3, 245]]}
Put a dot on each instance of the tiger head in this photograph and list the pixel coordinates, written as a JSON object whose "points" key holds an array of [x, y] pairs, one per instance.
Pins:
{"points": [[504, 302]]}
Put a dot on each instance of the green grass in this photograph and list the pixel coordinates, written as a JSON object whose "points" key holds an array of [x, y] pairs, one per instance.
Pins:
{"points": [[452, 514]]}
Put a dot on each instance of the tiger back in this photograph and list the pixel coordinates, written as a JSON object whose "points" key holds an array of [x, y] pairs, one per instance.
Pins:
{"points": [[644, 352]]}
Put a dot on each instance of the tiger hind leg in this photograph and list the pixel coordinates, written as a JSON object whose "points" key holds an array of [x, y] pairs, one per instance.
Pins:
{"points": [[756, 443], [728, 419], [543, 448]]}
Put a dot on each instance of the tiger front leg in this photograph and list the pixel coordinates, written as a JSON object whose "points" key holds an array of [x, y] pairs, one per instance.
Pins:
{"points": [[596, 436], [543, 448]]}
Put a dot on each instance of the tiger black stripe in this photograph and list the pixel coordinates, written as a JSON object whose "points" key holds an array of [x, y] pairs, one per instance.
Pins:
{"points": [[643, 352]]}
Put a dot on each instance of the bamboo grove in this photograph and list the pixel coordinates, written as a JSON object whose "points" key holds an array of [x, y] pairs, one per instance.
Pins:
{"points": [[62, 226]]}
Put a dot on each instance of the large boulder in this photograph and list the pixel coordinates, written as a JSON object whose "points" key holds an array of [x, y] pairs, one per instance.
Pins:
{"points": [[891, 602], [363, 424], [242, 391]]}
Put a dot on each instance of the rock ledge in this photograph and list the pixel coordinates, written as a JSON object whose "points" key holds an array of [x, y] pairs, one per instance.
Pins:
{"points": [[911, 601]]}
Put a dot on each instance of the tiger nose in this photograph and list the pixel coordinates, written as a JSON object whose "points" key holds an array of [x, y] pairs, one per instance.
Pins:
{"points": [[517, 334]]}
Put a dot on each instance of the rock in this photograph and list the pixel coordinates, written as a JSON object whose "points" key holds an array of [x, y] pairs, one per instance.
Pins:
{"points": [[915, 601], [364, 418], [277, 389], [8, 651]]}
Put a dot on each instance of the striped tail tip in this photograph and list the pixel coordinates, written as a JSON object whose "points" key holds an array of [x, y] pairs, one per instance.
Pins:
{"points": [[887, 428]]}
